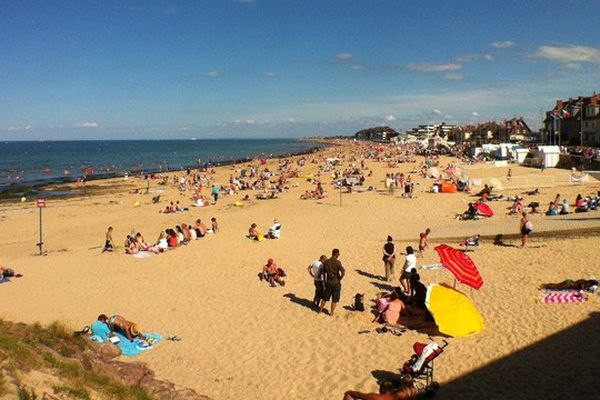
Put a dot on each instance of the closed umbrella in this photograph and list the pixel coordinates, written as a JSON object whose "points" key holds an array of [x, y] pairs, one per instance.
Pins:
{"points": [[453, 311], [461, 266]]}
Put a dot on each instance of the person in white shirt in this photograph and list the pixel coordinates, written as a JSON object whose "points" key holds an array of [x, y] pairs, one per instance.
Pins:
{"points": [[316, 271], [275, 230], [409, 265]]}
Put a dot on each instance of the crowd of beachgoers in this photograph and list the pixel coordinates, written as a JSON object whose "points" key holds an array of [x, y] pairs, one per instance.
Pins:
{"points": [[347, 170]]}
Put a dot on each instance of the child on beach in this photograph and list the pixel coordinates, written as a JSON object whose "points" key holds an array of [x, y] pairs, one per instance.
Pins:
{"points": [[214, 224], [423, 243], [108, 245]]}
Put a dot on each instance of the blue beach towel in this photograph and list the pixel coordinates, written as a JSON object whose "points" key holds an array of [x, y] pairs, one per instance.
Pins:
{"points": [[100, 334]]}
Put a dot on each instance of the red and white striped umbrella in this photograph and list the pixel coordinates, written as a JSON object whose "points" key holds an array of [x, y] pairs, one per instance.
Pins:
{"points": [[461, 266]]}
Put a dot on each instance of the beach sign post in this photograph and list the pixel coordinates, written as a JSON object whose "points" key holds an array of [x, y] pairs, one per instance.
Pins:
{"points": [[41, 203]]}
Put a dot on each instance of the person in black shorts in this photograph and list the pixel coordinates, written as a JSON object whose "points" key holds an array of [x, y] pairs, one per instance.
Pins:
{"points": [[333, 273]]}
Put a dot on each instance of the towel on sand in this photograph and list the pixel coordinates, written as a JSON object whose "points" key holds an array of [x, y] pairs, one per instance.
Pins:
{"points": [[131, 349], [563, 298], [143, 254]]}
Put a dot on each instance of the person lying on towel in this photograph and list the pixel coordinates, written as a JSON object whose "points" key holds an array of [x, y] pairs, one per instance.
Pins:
{"points": [[406, 392], [590, 285], [129, 329]]}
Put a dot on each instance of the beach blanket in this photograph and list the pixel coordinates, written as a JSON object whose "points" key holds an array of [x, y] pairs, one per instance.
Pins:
{"points": [[4, 280], [563, 298], [143, 254], [131, 349], [432, 266]]}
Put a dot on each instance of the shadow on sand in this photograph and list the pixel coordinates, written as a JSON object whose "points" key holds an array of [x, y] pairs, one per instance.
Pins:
{"points": [[562, 366], [300, 301], [370, 275]]}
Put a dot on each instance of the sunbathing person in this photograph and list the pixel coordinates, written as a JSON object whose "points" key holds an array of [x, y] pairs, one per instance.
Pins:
{"points": [[171, 238], [131, 245], [394, 308], [272, 274], [565, 207], [590, 285], [214, 225], [253, 232], [180, 235], [6, 272], [407, 391], [186, 232], [141, 242], [129, 329], [201, 229], [580, 204], [470, 214], [161, 242]]}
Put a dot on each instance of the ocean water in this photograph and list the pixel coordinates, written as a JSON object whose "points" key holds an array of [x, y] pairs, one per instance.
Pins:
{"points": [[32, 163]]}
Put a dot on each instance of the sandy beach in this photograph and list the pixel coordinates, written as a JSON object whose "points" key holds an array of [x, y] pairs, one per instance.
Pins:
{"points": [[242, 339]]}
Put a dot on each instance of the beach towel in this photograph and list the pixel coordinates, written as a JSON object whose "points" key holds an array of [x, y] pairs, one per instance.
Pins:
{"points": [[4, 280], [143, 254], [432, 266], [563, 298], [131, 349]]}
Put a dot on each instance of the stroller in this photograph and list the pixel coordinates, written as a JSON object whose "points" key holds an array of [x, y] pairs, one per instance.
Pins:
{"points": [[420, 366]]}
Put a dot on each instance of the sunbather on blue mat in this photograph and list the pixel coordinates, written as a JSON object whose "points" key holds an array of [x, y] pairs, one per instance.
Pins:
{"points": [[124, 334]]}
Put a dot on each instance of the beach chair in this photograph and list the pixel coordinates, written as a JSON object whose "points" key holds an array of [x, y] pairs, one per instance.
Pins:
{"points": [[420, 366]]}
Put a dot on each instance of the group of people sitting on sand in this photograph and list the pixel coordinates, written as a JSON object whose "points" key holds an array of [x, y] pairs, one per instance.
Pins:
{"points": [[168, 239], [274, 232], [173, 208], [391, 306], [318, 193], [582, 204]]}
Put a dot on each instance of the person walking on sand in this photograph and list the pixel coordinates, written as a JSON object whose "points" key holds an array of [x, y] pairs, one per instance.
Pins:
{"points": [[316, 271], [423, 241], [389, 259], [526, 228], [333, 273], [108, 244]]}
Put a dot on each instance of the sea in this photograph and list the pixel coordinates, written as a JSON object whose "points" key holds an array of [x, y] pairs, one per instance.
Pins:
{"points": [[31, 164]]}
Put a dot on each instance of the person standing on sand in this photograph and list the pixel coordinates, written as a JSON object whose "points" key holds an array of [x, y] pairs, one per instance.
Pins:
{"points": [[333, 273], [409, 265], [423, 241], [526, 228], [108, 244], [215, 193], [389, 258], [316, 271]]}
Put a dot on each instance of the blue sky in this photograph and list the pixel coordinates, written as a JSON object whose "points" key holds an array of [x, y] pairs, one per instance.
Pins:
{"points": [[243, 68]]}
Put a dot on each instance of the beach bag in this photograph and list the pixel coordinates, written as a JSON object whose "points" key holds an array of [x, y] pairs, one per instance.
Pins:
{"points": [[529, 226]]}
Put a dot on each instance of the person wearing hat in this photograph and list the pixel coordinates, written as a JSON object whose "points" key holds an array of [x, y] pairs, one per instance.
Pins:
{"points": [[129, 329], [389, 259]]}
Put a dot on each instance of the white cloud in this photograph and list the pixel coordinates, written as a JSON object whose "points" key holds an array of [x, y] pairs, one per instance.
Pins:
{"points": [[270, 75], [434, 67], [184, 129], [436, 111], [475, 114], [344, 56], [87, 124], [356, 67], [572, 66], [212, 74], [488, 57], [250, 121], [569, 54], [20, 128], [467, 58], [390, 118], [291, 120], [453, 76], [503, 44]]}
